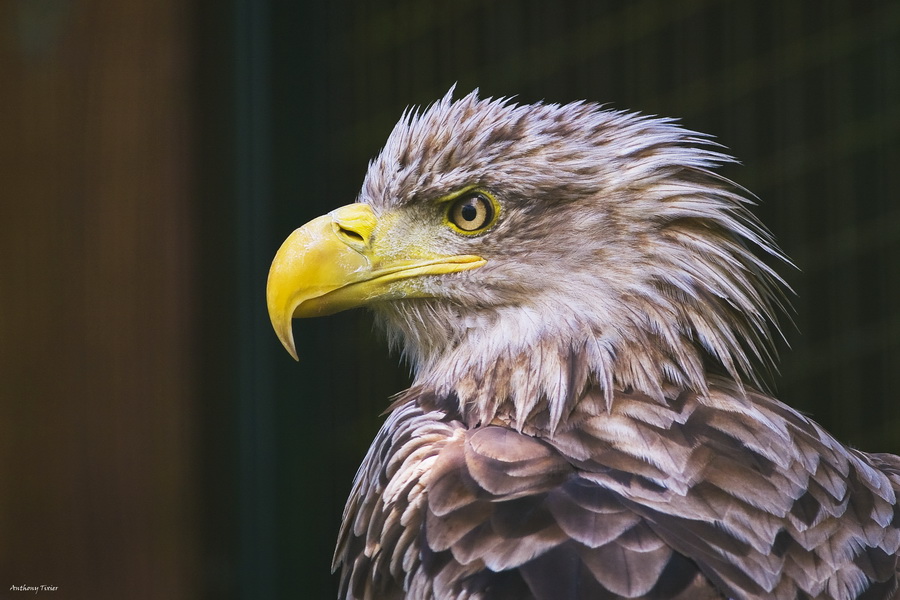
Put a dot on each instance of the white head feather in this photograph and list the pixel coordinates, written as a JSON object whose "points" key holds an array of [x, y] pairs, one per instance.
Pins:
{"points": [[620, 259]]}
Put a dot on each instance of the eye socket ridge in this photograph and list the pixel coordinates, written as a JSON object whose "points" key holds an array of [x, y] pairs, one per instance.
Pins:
{"points": [[472, 212]]}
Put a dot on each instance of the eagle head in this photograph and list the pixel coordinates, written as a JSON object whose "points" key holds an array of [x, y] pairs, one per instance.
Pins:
{"points": [[519, 254]]}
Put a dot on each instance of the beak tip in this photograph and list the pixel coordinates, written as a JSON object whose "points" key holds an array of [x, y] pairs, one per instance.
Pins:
{"points": [[286, 336], [285, 333]]}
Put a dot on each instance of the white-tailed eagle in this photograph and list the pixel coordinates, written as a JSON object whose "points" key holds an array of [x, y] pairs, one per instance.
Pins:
{"points": [[584, 304]]}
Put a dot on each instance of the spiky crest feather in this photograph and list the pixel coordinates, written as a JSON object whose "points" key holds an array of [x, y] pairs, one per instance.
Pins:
{"points": [[666, 276]]}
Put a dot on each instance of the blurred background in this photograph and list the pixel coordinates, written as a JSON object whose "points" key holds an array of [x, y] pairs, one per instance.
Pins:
{"points": [[155, 439]]}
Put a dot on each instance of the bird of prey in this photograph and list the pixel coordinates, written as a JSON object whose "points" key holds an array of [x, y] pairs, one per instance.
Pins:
{"points": [[585, 305]]}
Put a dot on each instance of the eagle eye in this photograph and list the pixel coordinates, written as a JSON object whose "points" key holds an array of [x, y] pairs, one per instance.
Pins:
{"points": [[472, 212]]}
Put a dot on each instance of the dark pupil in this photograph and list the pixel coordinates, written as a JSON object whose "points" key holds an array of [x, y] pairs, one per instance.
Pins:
{"points": [[469, 212]]}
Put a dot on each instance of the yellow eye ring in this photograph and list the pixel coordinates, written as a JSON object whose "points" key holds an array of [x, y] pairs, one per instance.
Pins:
{"points": [[472, 212]]}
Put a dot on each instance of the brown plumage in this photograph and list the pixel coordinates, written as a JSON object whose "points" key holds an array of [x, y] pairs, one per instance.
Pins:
{"points": [[585, 421]]}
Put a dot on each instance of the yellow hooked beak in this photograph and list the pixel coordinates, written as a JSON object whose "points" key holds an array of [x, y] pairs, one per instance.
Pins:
{"points": [[330, 265]]}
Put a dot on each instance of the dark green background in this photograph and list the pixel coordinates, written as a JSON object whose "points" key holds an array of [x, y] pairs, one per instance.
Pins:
{"points": [[805, 94]]}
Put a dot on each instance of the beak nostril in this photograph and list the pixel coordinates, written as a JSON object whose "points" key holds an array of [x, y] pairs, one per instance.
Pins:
{"points": [[353, 225], [349, 233]]}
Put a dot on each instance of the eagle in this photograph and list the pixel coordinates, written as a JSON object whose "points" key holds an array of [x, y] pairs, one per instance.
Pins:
{"points": [[588, 309]]}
